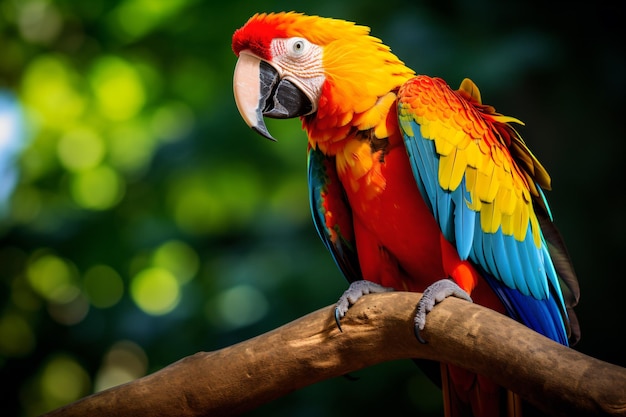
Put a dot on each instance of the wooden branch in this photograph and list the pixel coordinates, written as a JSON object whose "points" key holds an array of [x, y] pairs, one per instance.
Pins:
{"points": [[379, 328]]}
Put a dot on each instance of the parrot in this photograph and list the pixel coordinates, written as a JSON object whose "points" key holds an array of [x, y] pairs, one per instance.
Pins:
{"points": [[413, 185]]}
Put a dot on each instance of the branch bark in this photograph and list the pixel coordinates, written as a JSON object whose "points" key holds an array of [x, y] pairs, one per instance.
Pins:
{"points": [[378, 328]]}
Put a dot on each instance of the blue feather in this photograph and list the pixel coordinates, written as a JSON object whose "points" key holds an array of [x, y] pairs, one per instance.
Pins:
{"points": [[425, 165], [553, 278], [511, 246], [500, 253], [530, 282], [343, 251], [489, 253], [542, 315], [464, 221], [544, 200], [521, 274], [444, 218], [476, 254]]}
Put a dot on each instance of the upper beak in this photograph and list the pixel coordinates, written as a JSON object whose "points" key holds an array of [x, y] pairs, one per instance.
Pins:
{"points": [[260, 91]]}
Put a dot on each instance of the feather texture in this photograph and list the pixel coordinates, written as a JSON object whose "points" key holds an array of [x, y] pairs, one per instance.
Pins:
{"points": [[482, 198], [331, 216]]}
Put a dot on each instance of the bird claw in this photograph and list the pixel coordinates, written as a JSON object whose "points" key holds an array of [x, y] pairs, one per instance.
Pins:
{"points": [[435, 293], [338, 316], [418, 335], [356, 290]]}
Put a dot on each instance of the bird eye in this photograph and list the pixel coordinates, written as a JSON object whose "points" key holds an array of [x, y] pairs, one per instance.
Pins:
{"points": [[298, 46]]}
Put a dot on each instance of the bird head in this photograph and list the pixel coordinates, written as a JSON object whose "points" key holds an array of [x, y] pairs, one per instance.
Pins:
{"points": [[326, 71]]}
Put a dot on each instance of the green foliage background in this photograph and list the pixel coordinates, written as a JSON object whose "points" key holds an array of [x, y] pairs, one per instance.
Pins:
{"points": [[148, 222]]}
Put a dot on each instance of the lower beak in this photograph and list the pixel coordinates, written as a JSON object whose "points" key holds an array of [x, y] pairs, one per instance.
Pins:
{"points": [[259, 91]]}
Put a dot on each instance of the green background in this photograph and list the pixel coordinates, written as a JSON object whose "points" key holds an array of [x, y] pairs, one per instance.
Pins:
{"points": [[148, 222]]}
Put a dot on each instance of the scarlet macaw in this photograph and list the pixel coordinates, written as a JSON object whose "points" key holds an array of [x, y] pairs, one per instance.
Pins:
{"points": [[413, 185]]}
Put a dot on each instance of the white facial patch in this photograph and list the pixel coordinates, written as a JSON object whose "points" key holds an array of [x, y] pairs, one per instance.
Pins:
{"points": [[300, 61]]}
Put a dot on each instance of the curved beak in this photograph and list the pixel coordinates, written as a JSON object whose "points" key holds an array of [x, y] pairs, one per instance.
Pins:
{"points": [[260, 91]]}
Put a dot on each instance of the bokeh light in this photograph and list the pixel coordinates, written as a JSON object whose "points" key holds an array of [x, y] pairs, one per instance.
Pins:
{"points": [[123, 362], [71, 312], [26, 205], [17, 338], [39, 21], [52, 277], [134, 18], [80, 148], [53, 91], [103, 286], [216, 200], [179, 258], [63, 380], [172, 121], [155, 291], [241, 305], [130, 147], [118, 88], [99, 188]]}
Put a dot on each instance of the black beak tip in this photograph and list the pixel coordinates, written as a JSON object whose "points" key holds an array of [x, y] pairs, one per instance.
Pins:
{"points": [[262, 130]]}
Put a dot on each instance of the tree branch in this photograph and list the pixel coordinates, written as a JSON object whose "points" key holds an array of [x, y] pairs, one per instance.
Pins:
{"points": [[378, 328]]}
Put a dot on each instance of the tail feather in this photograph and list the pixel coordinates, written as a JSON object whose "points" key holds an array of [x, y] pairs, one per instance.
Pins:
{"points": [[466, 394], [514, 404]]}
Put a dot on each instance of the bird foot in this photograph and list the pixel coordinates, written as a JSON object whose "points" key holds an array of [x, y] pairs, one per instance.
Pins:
{"points": [[356, 290], [436, 293]]}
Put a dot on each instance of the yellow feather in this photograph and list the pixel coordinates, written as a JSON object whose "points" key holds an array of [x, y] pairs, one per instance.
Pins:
{"points": [[507, 224], [475, 205], [358, 154], [497, 155], [459, 120], [492, 190], [506, 200], [470, 178], [344, 119], [485, 217], [471, 89], [406, 126], [472, 152], [484, 147], [461, 139], [456, 170], [487, 183], [507, 119], [496, 220], [373, 116], [490, 217], [381, 131], [470, 183], [520, 221], [442, 146], [534, 226]]}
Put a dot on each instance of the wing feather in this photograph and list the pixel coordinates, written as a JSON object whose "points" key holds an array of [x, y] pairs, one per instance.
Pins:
{"points": [[464, 221], [332, 215], [483, 185]]}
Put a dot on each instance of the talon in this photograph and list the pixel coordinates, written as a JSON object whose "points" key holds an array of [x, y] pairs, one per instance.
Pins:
{"points": [[435, 293], [418, 336], [356, 290], [338, 318]]}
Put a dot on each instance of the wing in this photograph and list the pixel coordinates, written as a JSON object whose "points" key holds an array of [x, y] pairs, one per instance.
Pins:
{"points": [[332, 215], [483, 186]]}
